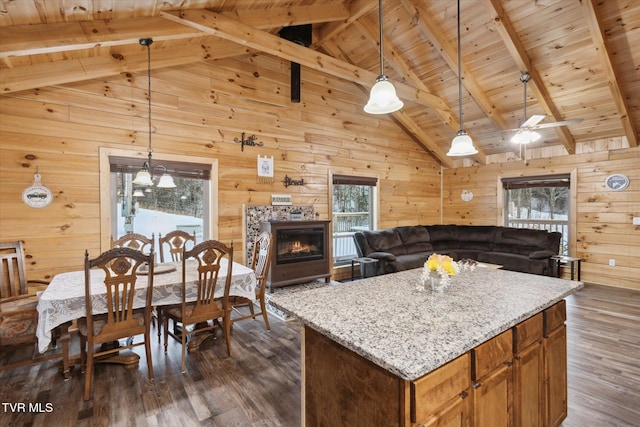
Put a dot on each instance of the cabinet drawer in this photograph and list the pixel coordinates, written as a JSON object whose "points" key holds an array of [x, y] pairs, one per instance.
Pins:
{"points": [[491, 354], [554, 317], [436, 388], [527, 332]]}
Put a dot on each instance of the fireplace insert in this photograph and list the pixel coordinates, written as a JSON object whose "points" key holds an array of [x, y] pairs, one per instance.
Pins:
{"points": [[300, 252], [299, 244]]}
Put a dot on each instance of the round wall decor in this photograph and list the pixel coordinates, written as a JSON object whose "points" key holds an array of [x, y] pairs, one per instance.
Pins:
{"points": [[617, 182], [37, 195]]}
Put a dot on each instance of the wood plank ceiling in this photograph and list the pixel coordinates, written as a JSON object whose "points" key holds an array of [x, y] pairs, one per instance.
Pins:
{"points": [[580, 54]]}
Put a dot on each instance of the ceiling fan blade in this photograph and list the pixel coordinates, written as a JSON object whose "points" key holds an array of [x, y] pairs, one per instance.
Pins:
{"points": [[532, 121], [554, 124]]}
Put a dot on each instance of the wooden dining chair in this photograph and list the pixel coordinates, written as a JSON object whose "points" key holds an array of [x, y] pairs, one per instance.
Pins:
{"points": [[176, 241], [121, 320], [18, 311], [134, 241], [260, 263], [206, 307]]}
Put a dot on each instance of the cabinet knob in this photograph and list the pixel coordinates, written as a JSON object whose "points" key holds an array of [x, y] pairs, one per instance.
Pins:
{"points": [[476, 385], [508, 363], [464, 395]]}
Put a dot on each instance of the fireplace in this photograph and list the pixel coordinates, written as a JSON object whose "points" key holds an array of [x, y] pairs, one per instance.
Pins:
{"points": [[300, 252]]}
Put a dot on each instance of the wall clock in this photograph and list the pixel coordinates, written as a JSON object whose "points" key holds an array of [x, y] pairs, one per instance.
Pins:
{"points": [[617, 182], [37, 195]]}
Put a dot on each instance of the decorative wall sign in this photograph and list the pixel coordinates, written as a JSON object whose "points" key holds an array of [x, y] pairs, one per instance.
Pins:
{"points": [[250, 141], [281, 199], [265, 169], [617, 182], [289, 181], [37, 195]]}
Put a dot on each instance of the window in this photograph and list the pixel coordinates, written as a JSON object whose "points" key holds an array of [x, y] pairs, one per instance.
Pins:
{"points": [[353, 204], [153, 210], [539, 202]]}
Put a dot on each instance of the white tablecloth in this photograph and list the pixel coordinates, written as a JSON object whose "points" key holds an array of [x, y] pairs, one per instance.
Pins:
{"points": [[64, 298]]}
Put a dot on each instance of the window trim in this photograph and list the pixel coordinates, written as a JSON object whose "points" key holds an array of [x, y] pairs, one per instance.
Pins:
{"points": [[359, 179], [573, 192], [108, 198]]}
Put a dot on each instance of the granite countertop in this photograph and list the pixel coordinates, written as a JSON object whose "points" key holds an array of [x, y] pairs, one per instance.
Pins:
{"points": [[408, 332]]}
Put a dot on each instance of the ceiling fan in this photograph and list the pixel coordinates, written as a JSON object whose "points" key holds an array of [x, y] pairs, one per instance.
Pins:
{"points": [[526, 133]]}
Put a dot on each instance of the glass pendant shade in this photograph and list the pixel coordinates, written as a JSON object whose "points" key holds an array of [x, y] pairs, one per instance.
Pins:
{"points": [[383, 98], [166, 181], [525, 136], [143, 177], [462, 145], [138, 193]]}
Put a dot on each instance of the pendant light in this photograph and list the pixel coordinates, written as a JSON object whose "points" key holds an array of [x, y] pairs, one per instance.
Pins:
{"points": [[144, 176], [383, 98], [462, 145]]}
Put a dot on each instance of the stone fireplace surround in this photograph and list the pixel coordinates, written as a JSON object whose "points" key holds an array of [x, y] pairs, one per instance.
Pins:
{"points": [[254, 215]]}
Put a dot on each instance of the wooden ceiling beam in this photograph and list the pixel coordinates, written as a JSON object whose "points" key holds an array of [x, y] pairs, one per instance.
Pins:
{"points": [[274, 17], [599, 40], [232, 30], [329, 31], [71, 36], [514, 46], [73, 70]]}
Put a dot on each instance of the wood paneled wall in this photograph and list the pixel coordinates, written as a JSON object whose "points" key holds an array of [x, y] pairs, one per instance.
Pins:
{"points": [[602, 218], [198, 110]]}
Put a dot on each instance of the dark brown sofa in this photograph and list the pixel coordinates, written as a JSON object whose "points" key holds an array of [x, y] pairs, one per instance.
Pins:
{"points": [[407, 247]]}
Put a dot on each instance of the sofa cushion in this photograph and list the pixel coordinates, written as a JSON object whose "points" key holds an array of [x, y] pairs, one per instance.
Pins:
{"points": [[406, 262], [387, 240], [415, 238], [521, 241], [515, 262], [443, 237]]}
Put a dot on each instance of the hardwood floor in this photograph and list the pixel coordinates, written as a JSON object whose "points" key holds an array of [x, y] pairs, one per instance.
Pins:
{"points": [[260, 384]]}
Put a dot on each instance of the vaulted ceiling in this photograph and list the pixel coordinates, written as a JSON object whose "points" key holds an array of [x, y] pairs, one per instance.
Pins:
{"points": [[583, 56]]}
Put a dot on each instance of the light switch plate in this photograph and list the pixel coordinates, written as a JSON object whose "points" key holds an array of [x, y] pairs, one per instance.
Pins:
{"points": [[636, 220]]}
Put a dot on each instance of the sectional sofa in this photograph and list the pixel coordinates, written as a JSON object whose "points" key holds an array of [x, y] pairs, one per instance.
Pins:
{"points": [[406, 247]]}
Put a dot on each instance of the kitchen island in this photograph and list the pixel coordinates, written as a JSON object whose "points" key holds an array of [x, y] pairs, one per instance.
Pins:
{"points": [[380, 352]]}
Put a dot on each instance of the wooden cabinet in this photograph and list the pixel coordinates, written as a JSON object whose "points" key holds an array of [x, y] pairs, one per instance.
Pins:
{"points": [[441, 398], [555, 364], [528, 373], [492, 381], [519, 378]]}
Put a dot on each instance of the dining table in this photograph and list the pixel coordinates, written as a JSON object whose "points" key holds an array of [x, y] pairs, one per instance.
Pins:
{"points": [[64, 298]]}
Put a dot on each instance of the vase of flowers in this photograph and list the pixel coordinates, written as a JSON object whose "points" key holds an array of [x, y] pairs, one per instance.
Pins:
{"points": [[437, 272]]}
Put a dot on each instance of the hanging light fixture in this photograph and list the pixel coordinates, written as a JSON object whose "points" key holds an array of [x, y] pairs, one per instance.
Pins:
{"points": [[383, 98], [144, 176], [462, 145]]}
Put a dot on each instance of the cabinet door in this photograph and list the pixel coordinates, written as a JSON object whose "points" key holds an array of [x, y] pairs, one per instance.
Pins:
{"points": [[435, 390], [528, 373], [492, 398], [555, 370], [457, 413], [528, 398]]}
